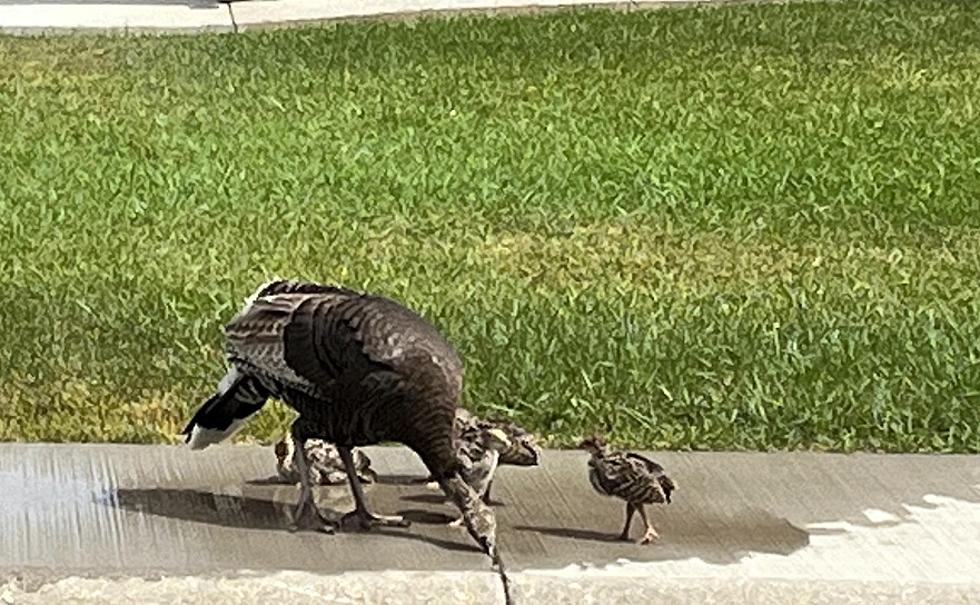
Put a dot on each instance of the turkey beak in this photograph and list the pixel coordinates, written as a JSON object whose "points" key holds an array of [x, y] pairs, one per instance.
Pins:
{"points": [[500, 436]]}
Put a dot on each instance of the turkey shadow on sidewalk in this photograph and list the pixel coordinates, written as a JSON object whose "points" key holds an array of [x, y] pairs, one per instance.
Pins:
{"points": [[245, 512]]}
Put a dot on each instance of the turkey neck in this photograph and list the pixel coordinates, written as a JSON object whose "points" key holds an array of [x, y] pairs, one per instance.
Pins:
{"points": [[481, 523]]}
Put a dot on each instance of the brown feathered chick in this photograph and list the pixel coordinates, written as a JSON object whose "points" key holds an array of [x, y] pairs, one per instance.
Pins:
{"points": [[325, 463], [522, 448], [479, 450], [630, 477]]}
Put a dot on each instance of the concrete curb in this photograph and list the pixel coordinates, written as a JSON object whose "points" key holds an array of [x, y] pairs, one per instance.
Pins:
{"points": [[476, 588], [32, 19]]}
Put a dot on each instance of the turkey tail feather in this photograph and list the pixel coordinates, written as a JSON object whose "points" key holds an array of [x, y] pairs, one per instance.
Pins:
{"points": [[224, 413]]}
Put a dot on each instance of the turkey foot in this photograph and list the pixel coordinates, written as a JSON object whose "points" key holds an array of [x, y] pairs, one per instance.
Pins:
{"points": [[361, 514], [365, 520], [308, 518], [650, 536]]}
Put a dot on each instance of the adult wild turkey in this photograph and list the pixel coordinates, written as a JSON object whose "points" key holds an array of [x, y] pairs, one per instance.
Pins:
{"points": [[359, 369]]}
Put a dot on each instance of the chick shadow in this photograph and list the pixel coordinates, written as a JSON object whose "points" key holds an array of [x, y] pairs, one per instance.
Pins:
{"points": [[246, 512], [571, 533], [403, 480], [426, 517], [267, 481], [711, 537], [394, 479], [439, 498], [433, 498]]}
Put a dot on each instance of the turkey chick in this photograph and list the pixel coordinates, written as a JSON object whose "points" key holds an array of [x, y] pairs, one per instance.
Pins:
{"points": [[522, 448], [479, 450], [630, 477], [326, 465]]}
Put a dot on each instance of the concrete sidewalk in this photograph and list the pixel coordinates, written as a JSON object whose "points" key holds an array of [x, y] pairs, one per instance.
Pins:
{"points": [[151, 524], [189, 16]]}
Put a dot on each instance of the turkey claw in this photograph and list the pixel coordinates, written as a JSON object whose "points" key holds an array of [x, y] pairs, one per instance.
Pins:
{"points": [[366, 521]]}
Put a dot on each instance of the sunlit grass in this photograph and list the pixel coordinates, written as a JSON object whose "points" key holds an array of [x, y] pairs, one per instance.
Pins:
{"points": [[735, 227]]}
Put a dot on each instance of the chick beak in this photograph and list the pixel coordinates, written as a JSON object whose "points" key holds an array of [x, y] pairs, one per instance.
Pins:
{"points": [[500, 436]]}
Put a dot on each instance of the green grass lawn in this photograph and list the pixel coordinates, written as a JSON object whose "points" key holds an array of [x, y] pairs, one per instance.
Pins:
{"points": [[733, 227]]}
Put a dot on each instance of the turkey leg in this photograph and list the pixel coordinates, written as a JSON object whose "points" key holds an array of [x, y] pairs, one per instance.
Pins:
{"points": [[651, 534], [361, 513], [307, 516], [486, 495], [629, 518]]}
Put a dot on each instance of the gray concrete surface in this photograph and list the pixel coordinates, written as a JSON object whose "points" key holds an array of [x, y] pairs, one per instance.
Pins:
{"points": [[251, 14], [35, 17], [32, 17], [94, 523]]}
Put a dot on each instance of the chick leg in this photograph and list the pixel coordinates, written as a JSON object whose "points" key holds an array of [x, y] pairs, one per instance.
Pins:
{"points": [[486, 495], [625, 535], [651, 534], [361, 513], [307, 515]]}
